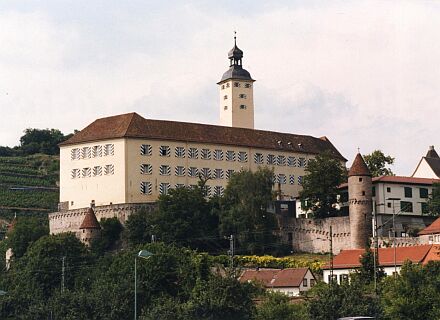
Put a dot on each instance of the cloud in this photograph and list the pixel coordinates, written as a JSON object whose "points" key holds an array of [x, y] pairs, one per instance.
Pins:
{"points": [[365, 74]]}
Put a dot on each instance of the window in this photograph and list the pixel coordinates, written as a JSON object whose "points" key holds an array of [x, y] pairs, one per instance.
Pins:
{"points": [[425, 209], [363, 193], [75, 174], [225, 108], [180, 171], [332, 278], [242, 156], [109, 169], [408, 192], [218, 173], [164, 188], [343, 278], [237, 84], [406, 206], [109, 149], [75, 154], [360, 179], [389, 204], [146, 168], [300, 180], [86, 153], [281, 160], [164, 170], [312, 282], [423, 193], [301, 162], [146, 187], [218, 155], [247, 85], [193, 153], [223, 86], [96, 151], [243, 107], [305, 284], [271, 159], [225, 97], [227, 85], [86, 172], [164, 151], [258, 158], [282, 178], [206, 190], [193, 172], [146, 149], [180, 185], [206, 154], [292, 179], [388, 189], [97, 171], [291, 161], [206, 172], [180, 152], [229, 173], [218, 191], [230, 155], [373, 191], [242, 96]]}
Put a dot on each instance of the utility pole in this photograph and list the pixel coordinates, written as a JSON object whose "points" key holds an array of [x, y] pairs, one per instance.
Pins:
{"points": [[153, 238], [63, 270], [231, 251], [331, 254]]}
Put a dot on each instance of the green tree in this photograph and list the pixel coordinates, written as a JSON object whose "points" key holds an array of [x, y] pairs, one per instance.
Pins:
{"points": [[433, 203], [41, 141], [244, 211], [324, 174], [277, 306], [110, 234], [26, 231], [379, 163], [333, 301], [184, 216], [365, 273]]}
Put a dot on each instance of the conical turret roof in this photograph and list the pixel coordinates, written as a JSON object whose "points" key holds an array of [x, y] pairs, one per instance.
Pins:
{"points": [[432, 153], [359, 167], [90, 221]]}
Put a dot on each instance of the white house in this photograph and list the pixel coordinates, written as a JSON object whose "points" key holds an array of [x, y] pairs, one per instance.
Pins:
{"points": [[288, 281], [429, 165], [390, 259]]}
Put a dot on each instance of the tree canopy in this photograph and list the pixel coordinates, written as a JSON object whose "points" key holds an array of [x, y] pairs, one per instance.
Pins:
{"points": [[320, 185], [379, 163], [433, 203]]}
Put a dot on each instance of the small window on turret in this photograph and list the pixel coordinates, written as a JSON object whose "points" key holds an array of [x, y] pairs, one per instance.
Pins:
{"points": [[223, 86], [225, 107], [242, 96], [227, 85], [237, 84], [225, 97], [360, 179], [247, 85], [243, 107]]}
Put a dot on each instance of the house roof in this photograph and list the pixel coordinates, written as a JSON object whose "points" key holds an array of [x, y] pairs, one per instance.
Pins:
{"points": [[432, 228], [348, 259], [275, 278], [132, 125], [432, 159], [90, 221], [359, 167], [400, 180]]}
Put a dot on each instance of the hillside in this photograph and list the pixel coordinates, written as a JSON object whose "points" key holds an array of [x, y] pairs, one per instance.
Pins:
{"points": [[28, 185]]}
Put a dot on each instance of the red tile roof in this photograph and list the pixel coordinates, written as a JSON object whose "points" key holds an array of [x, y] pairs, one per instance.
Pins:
{"points": [[359, 167], [90, 221], [132, 125], [433, 254], [432, 228], [400, 179], [275, 278], [348, 259]]}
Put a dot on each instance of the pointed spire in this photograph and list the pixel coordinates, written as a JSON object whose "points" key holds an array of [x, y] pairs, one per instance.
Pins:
{"points": [[432, 153], [359, 167], [90, 221]]}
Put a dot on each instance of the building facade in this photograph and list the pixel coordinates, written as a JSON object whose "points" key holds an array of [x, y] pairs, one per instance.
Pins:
{"points": [[127, 159]]}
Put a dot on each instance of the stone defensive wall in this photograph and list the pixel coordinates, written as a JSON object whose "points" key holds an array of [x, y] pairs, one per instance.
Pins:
{"points": [[70, 220], [313, 235]]}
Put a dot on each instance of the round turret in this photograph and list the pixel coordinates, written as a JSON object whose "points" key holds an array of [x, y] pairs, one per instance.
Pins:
{"points": [[360, 203], [90, 228]]}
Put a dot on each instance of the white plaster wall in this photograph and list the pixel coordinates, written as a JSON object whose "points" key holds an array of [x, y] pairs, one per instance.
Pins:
{"points": [[424, 171]]}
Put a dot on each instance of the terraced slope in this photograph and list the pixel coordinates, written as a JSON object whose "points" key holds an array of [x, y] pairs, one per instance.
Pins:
{"points": [[28, 185]]}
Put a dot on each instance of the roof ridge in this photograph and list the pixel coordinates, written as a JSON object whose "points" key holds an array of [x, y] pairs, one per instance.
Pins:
{"points": [[131, 121]]}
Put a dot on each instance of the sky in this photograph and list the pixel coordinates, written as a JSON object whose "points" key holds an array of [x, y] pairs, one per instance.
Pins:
{"points": [[366, 74]]}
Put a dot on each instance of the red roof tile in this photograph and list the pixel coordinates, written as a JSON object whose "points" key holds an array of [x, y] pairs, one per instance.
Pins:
{"points": [[347, 259], [359, 167], [275, 278], [90, 221], [132, 125], [432, 228], [433, 254]]}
